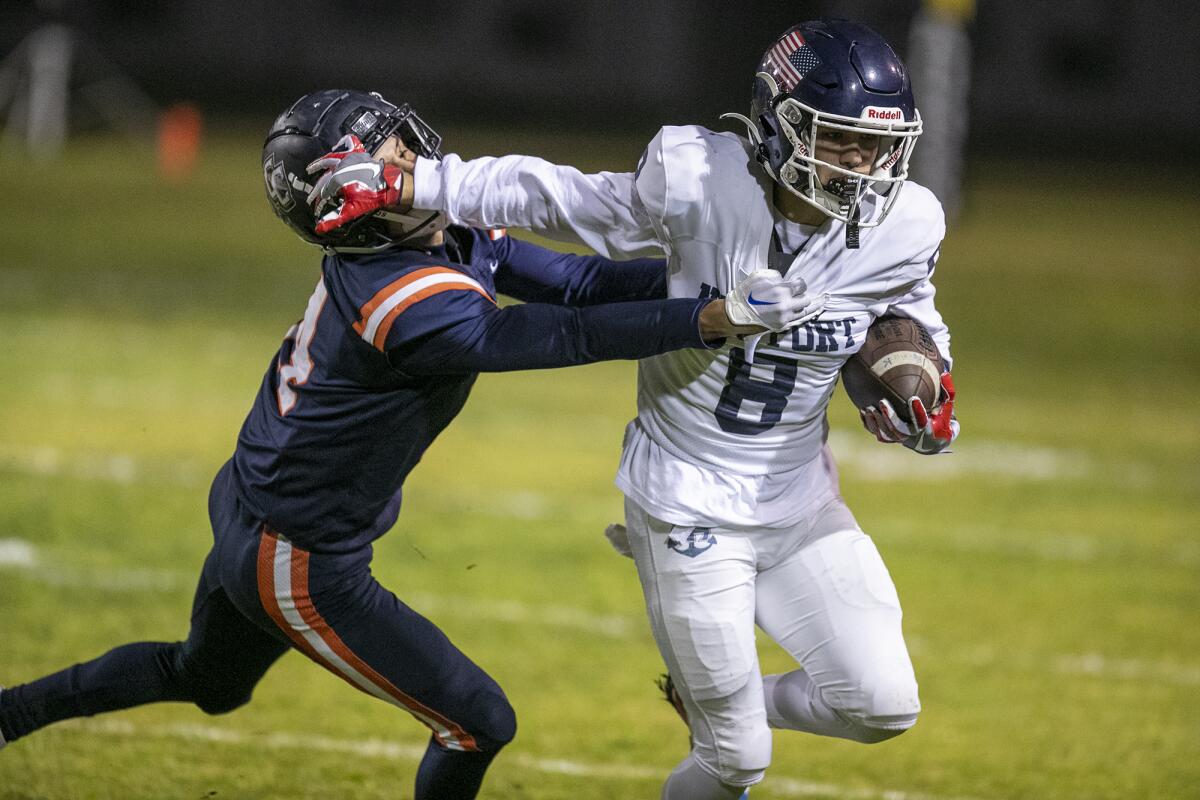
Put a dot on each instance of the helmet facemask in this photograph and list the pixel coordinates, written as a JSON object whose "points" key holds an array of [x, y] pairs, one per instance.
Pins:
{"points": [[373, 131], [840, 197]]}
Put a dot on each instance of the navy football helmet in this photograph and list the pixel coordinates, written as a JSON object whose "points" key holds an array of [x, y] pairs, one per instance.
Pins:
{"points": [[309, 129], [833, 75]]}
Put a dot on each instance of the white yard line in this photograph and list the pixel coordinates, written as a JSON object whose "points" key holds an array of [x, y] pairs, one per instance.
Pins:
{"points": [[22, 555], [862, 457], [1043, 545], [127, 470], [121, 468], [612, 626], [1097, 665], [857, 455], [391, 751], [17, 554]]}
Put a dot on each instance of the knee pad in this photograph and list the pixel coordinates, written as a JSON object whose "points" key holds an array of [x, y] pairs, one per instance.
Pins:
{"points": [[212, 693], [493, 722], [219, 700], [889, 707], [865, 734], [742, 758], [876, 730]]}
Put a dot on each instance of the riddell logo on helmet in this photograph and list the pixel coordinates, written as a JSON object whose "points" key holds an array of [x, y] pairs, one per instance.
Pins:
{"points": [[883, 114]]}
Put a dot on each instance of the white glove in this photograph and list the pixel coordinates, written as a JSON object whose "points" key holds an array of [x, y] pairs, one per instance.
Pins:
{"points": [[766, 298]]}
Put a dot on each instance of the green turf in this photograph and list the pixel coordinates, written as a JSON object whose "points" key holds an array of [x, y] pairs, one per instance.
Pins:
{"points": [[1050, 575]]}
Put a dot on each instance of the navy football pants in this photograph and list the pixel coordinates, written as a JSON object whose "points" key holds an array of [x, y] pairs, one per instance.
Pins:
{"points": [[257, 597]]}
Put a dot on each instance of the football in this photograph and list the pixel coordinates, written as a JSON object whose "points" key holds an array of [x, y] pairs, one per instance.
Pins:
{"points": [[897, 361]]}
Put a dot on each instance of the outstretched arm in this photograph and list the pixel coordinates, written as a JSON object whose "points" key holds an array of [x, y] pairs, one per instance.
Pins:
{"points": [[441, 321], [540, 336], [539, 275], [600, 210]]}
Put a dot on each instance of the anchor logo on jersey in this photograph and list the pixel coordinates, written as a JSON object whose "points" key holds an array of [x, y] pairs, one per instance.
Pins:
{"points": [[698, 541]]}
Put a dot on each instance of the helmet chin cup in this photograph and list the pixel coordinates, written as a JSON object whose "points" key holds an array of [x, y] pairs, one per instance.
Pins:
{"points": [[410, 225]]}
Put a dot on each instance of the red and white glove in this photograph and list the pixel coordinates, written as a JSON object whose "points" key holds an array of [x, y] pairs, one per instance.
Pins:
{"points": [[928, 434], [353, 186]]}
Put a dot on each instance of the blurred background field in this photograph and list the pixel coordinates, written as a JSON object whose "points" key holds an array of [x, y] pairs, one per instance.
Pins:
{"points": [[1049, 569]]}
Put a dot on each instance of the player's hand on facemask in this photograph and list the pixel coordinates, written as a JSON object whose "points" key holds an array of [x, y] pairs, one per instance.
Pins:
{"points": [[928, 434], [766, 298], [353, 186]]}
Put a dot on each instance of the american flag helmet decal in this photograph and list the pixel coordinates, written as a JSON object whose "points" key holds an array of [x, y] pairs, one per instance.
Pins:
{"points": [[790, 60]]}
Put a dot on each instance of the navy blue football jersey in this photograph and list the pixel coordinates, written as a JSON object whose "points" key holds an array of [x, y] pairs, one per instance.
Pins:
{"points": [[389, 348]]}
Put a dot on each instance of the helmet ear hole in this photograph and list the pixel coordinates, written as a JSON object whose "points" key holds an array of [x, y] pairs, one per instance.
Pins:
{"points": [[766, 122]]}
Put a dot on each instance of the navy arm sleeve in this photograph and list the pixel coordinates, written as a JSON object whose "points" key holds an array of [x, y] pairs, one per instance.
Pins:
{"points": [[476, 336], [536, 274]]}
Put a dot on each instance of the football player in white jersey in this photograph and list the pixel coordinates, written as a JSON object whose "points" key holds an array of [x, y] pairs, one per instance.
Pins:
{"points": [[733, 512]]}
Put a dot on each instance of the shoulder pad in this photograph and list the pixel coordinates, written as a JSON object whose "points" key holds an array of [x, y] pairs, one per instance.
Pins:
{"points": [[686, 168], [919, 214]]}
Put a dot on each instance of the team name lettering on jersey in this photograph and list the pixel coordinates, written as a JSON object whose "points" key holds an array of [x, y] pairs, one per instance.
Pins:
{"points": [[818, 336]]}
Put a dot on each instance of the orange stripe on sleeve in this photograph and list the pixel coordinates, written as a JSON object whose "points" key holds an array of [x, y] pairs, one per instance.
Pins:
{"points": [[365, 312], [385, 326]]}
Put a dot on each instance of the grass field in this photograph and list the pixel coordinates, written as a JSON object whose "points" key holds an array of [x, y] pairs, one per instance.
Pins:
{"points": [[1050, 569]]}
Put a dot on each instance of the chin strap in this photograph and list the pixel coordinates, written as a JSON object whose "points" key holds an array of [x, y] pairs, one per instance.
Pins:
{"points": [[434, 222], [847, 190], [852, 231]]}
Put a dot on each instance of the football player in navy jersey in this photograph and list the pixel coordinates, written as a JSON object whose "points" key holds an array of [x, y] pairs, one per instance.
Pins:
{"points": [[402, 319]]}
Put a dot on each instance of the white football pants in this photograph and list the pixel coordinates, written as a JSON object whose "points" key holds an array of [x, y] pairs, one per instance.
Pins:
{"points": [[819, 589]]}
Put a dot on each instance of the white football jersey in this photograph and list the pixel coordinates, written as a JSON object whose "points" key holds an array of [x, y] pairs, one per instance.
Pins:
{"points": [[719, 440]]}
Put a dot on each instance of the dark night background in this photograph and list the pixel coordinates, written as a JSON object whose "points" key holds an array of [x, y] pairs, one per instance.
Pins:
{"points": [[1065, 79]]}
